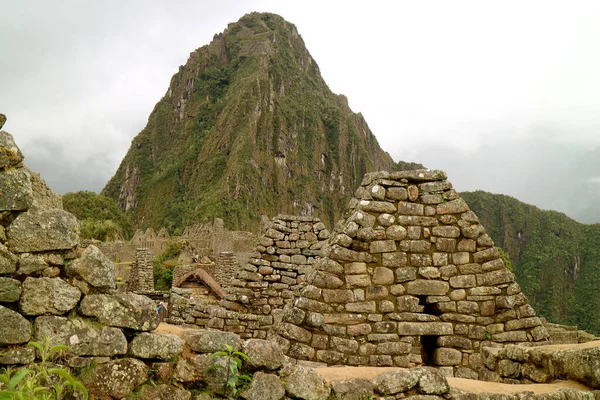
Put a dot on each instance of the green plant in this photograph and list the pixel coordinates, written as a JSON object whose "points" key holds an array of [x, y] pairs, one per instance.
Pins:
{"points": [[236, 378], [40, 381]]}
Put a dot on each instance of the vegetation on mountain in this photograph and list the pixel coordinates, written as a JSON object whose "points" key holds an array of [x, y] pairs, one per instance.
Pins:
{"points": [[556, 260], [247, 127], [99, 216]]}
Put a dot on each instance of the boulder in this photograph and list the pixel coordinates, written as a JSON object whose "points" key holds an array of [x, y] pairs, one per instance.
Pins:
{"points": [[205, 341], [15, 190], [115, 379], [163, 392], [432, 382], [43, 197], [264, 387], [2, 120], [48, 296], [85, 338], [352, 389], [306, 383], [154, 345], [31, 264], [582, 365], [14, 329], [264, 353], [396, 382], [44, 231], [10, 290], [8, 261], [10, 155], [22, 355], [192, 369], [125, 310], [94, 268]]}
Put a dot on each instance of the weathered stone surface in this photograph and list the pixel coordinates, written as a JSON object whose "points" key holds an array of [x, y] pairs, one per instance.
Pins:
{"points": [[10, 290], [509, 369], [352, 389], [84, 337], [580, 364], [424, 328], [8, 261], [419, 175], [383, 276], [31, 263], [513, 336], [94, 268], [115, 378], [463, 281], [14, 329], [10, 155], [264, 353], [154, 345], [47, 230], [15, 190], [125, 310], [162, 392], [377, 206], [47, 296], [306, 383], [447, 356], [12, 356], [382, 246], [264, 387], [427, 287], [523, 323], [497, 277], [208, 341], [394, 259], [432, 381], [393, 348], [395, 382], [452, 207]]}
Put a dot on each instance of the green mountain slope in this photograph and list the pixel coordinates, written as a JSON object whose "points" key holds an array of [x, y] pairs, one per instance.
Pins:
{"points": [[556, 259], [247, 127]]}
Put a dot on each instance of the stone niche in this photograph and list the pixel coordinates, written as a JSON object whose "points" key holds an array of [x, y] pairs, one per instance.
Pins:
{"points": [[409, 277]]}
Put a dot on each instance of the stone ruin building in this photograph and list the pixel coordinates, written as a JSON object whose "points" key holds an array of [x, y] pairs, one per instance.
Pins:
{"points": [[410, 278]]}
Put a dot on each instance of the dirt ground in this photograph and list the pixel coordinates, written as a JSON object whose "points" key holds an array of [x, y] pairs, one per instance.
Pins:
{"points": [[469, 385]]}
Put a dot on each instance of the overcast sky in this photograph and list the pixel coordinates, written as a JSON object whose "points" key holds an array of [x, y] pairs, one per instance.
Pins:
{"points": [[505, 96]]}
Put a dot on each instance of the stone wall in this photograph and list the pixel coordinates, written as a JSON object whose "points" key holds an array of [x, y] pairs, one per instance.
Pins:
{"points": [[141, 276], [410, 278], [286, 250]]}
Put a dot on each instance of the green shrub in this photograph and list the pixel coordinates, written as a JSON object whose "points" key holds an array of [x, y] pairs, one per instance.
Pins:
{"points": [[40, 381]]}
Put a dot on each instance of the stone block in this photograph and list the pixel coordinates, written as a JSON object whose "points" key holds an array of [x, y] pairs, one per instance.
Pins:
{"points": [[361, 307], [47, 296], [498, 277], [455, 342], [397, 193], [376, 292], [377, 206], [359, 329], [446, 356], [415, 246], [427, 287], [382, 246], [524, 323], [26, 235], [408, 208], [15, 189], [446, 245], [452, 207], [357, 281], [338, 296], [486, 255], [424, 328], [408, 304], [348, 346], [414, 220]]}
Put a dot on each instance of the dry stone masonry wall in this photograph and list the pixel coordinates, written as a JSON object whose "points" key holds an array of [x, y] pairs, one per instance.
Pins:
{"points": [[141, 278], [410, 278], [286, 251]]}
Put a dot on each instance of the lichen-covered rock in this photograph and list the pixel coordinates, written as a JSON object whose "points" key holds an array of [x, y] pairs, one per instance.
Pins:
{"points": [[205, 341], [192, 369], [432, 382], [31, 264], [162, 392], [14, 328], [44, 231], [22, 355], [396, 382], [94, 268], [125, 310], [264, 353], [85, 338], [154, 345], [2, 120], [15, 190], [10, 155], [580, 364], [8, 261], [10, 290], [48, 296], [352, 389], [264, 387], [306, 383], [115, 378], [43, 197]]}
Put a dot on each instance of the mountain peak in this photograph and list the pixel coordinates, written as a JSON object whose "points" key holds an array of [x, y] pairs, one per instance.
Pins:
{"points": [[247, 127]]}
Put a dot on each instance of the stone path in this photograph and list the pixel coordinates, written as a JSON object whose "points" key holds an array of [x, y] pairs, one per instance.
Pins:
{"points": [[468, 385]]}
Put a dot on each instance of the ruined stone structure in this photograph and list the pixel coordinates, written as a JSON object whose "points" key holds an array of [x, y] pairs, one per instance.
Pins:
{"points": [[411, 278], [141, 277], [286, 251]]}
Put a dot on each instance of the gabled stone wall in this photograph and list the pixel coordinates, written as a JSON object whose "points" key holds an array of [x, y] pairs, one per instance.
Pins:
{"points": [[285, 253], [411, 278]]}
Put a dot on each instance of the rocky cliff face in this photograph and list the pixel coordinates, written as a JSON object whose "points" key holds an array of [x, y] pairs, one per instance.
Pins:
{"points": [[556, 260], [246, 127]]}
